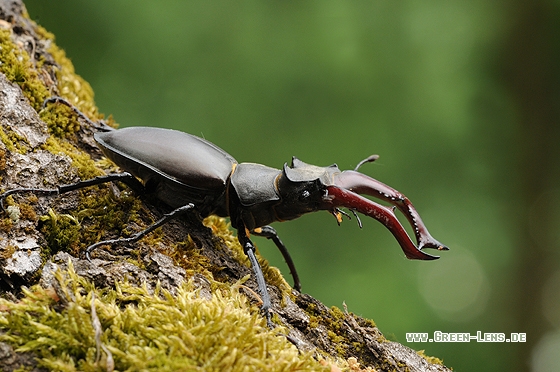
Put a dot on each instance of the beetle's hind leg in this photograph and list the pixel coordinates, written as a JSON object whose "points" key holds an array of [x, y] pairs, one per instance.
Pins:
{"points": [[100, 125], [134, 238], [270, 233], [125, 177]]}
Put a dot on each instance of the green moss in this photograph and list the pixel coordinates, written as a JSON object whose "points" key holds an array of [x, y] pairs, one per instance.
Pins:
{"points": [[62, 232], [61, 120], [337, 318], [6, 224], [27, 212], [188, 256], [98, 206], [8, 251], [430, 359], [339, 342], [143, 331], [18, 68], [83, 163], [368, 323], [358, 346], [99, 211], [7, 141], [23, 369], [2, 159], [13, 142]]}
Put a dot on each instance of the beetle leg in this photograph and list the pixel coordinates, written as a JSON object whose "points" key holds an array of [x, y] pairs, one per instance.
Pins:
{"points": [[125, 177], [270, 233], [100, 125], [134, 238], [26, 189], [249, 249]]}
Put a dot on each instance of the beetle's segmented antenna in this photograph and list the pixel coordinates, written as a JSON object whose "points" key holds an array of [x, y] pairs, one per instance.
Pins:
{"points": [[369, 159]]}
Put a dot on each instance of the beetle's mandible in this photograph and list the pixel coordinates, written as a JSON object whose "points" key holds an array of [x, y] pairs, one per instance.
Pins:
{"points": [[189, 173]]}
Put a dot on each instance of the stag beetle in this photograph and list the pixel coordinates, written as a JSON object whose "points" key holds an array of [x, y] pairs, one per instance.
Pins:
{"points": [[190, 173]]}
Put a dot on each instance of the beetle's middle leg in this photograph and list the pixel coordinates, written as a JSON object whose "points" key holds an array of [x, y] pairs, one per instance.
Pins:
{"points": [[270, 233], [134, 238]]}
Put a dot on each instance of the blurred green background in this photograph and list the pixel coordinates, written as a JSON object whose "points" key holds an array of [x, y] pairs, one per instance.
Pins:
{"points": [[460, 99]]}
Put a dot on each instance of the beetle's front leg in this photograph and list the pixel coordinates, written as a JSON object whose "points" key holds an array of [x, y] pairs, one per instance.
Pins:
{"points": [[249, 249], [270, 233]]}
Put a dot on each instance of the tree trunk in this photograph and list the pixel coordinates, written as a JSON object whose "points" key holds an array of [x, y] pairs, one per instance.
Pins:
{"points": [[531, 60], [42, 236]]}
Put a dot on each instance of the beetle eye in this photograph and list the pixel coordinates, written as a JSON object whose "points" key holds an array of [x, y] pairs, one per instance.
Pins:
{"points": [[305, 194]]}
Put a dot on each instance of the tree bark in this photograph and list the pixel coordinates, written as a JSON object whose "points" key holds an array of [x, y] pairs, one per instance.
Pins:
{"points": [[40, 149]]}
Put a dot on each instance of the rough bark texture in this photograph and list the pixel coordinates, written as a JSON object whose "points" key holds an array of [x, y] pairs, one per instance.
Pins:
{"points": [[26, 160]]}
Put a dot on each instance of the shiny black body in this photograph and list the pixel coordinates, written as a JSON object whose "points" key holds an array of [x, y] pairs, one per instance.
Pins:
{"points": [[176, 167], [179, 168]]}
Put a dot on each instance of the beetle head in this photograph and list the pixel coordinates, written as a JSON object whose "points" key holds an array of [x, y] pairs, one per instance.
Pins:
{"points": [[302, 188], [307, 188]]}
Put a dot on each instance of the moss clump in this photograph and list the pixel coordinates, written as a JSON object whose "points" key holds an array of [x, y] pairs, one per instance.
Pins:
{"points": [[83, 163], [13, 142], [61, 120], [6, 224], [100, 211], [79, 327], [62, 231], [188, 256], [429, 359], [27, 212], [337, 318], [8, 251], [2, 160], [19, 69]]}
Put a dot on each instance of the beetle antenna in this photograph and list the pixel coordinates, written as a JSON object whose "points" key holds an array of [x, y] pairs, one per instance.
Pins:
{"points": [[369, 159]]}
